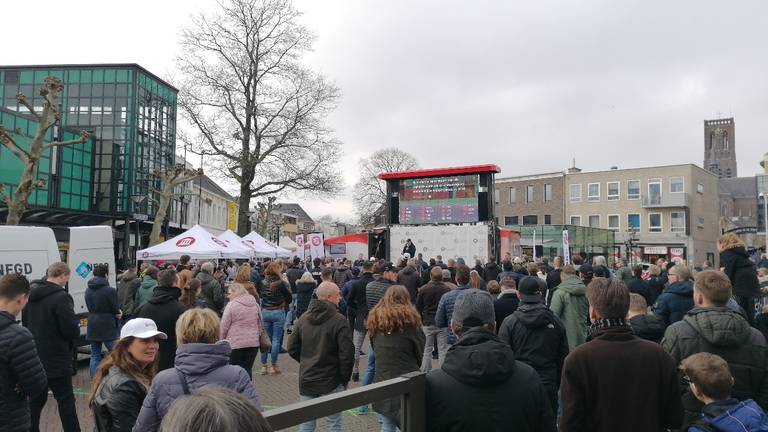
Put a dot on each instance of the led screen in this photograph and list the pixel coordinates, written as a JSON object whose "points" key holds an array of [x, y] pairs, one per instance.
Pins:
{"points": [[439, 200]]}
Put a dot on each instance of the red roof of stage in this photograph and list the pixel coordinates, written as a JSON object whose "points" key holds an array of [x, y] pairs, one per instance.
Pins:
{"points": [[441, 172]]}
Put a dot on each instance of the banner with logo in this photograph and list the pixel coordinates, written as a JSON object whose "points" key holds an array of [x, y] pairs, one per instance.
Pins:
{"points": [[300, 246], [316, 247], [232, 216], [566, 248]]}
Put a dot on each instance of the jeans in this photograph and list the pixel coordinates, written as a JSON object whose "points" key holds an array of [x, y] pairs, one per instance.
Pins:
{"points": [[371, 370], [96, 354], [291, 314], [244, 357], [388, 424], [65, 398], [434, 334], [332, 422], [358, 338], [274, 320]]}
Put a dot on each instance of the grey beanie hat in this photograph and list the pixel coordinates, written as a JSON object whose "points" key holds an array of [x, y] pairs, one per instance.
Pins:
{"points": [[473, 308]]}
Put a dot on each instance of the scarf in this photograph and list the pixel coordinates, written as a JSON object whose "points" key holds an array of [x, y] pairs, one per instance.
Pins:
{"points": [[601, 324]]}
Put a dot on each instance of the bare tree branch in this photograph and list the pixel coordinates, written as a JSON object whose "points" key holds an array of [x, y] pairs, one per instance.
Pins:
{"points": [[23, 100], [5, 196], [370, 192], [9, 142], [84, 137]]}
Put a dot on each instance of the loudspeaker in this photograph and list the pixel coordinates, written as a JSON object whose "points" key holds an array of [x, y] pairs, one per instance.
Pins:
{"points": [[482, 206], [394, 210]]}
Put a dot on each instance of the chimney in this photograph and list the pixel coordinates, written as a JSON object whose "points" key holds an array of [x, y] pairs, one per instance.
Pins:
{"points": [[573, 169]]}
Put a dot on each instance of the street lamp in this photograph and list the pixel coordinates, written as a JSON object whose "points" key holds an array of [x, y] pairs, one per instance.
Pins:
{"points": [[137, 199], [628, 245]]}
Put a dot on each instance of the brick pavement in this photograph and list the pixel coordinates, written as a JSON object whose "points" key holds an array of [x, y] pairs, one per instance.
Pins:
{"points": [[275, 391]]}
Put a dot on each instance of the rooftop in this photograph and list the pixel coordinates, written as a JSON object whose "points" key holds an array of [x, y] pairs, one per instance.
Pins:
{"points": [[738, 186], [688, 165], [211, 185], [91, 65], [441, 172], [293, 208]]}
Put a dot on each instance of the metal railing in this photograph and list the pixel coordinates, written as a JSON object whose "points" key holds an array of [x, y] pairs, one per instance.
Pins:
{"points": [[679, 199], [410, 388]]}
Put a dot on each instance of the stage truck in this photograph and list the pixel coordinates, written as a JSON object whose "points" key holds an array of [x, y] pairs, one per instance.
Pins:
{"points": [[447, 212]]}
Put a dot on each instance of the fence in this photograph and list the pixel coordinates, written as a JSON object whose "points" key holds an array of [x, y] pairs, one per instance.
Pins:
{"points": [[410, 388]]}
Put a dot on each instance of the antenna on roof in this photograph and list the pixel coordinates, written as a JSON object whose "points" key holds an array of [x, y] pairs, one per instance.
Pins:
{"points": [[574, 163]]}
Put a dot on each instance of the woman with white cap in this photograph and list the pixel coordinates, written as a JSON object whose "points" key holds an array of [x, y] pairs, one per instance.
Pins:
{"points": [[123, 378]]}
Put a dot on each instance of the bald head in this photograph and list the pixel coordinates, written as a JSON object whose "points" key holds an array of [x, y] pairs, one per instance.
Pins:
{"points": [[329, 292]]}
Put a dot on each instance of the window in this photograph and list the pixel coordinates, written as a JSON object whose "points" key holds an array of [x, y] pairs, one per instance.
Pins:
{"points": [[700, 188], [496, 196], [594, 221], [725, 140], [575, 192], [547, 192], [613, 222], [547, 219], [576, 220], [654, 222], [512, 195], [530, 220], [511, 220], [633, 221], [528, 194], [593, 192], [676, 184], [633, 190], [677, 222], [613, 191], [654, 191]]}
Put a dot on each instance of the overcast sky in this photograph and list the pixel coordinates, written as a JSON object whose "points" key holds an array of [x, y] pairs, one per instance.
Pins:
{"points": [[525, 85]]}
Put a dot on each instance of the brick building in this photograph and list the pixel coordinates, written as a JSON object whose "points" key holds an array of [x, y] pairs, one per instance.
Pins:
{"points": [[530, 200]]}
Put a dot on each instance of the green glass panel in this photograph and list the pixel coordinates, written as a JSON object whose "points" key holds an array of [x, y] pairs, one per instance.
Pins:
{"points": [[77, 171], [42, 197], [67, 155], [65, 200], [7, 121], [66, 184], [87, 174], [98, 75], [85, 76], [77, 202], [121, 76], [109, 76], [66, 170], [26, 77], [40, 76], [57, 73], [74, 77]]}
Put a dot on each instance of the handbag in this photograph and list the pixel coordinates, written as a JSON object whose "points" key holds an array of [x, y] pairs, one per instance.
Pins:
{"points": [[265, 344]]}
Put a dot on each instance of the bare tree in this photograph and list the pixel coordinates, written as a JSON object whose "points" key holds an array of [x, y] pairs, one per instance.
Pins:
{"points": [[169, 179], [264, 215], [370, 193], [45, 119], [252, 104]]}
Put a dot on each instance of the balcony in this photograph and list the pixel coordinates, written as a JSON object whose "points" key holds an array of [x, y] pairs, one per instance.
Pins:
{"points": [[666, 200]]}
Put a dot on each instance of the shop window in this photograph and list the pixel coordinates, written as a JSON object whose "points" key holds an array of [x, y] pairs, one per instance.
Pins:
{"points": [[633, 190], [677, 222], [613, 191], [575, 192], [654, 222]]}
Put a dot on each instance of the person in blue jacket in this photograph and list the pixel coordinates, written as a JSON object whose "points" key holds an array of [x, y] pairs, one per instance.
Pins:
{"points": [[677, 299]]}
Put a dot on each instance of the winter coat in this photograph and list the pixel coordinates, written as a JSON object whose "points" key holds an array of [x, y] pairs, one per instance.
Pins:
{"points": [[569, 303], [211, 292], [411, 280], [21, 374], [639, 286], [730, 415], [624, 274], [276, 294], [741, 271], [445, 310], [428, 299], [648, 327], [241, 322], [656, 287], [303, 296], [322, 344], [492, 271], [375, 290], [144, 292], [293, 274], [619, 382], [502, 395], [675, 302], [505, 305], [509, 273], [50, 317], [356, 302], [411, 250], [203, 365], [164, 309], [117, 402], [726, 333], [342, 275], [538, 339], [397, 353], [126, 292], [103, 307]]}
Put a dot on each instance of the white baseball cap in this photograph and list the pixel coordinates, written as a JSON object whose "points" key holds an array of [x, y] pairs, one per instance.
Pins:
{"points": [[142, 328]]}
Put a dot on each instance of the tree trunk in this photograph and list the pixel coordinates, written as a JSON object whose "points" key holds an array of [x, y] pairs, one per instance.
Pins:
{"points": [[162, 210], [244, 202], [19, 201]]}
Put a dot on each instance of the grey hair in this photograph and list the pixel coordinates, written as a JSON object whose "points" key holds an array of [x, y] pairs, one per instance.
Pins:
{"points": [[599, 261], [207, 267], [214, 409], [307, 278], [447, 275]]}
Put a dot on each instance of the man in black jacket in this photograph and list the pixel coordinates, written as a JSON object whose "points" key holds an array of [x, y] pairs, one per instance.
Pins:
{"points": [[507, 302], [537, 336], [21, 373], [426, 303], [503, 394], [322, 344], [358, 310], [648, 327], [164, 309], [50, 316]]}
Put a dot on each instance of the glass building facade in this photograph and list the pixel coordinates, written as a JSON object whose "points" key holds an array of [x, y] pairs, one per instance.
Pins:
{"points": [[548, 240], [131, 115]]}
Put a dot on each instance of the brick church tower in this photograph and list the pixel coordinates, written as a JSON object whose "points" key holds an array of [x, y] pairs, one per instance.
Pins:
{"points": [[720, 147]]}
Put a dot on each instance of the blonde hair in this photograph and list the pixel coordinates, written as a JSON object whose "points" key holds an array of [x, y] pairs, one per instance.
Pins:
{"points": [[236, 290], [729, 241], [243, 273], [198, 325], [184, 277], [57, 269], [307, 278], [654, 270], [474, 279]]}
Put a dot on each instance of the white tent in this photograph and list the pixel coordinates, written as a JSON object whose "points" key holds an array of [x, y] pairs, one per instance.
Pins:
{"points": [[266, 248], [290, 245], [235, 242], [195, 242]]}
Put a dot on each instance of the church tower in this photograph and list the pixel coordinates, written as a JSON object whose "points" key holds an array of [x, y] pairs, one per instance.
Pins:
{"points": [[720, 147]]}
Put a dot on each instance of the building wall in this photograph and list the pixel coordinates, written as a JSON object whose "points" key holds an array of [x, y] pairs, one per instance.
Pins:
{"points": [[720, 147], [699, 205], [511, 210]]}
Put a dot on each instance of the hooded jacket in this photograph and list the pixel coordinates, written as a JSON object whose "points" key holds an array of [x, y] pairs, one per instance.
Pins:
{"points": [[569, 303], [648, 327], [726, 333], [481, 387], [732, 415], [675, 302], [304, 291], [356, 301], [505, 305], [538, 339], [322, 344], [103, 307], [241, 322], [50, 317], [445, 310], [492, 271], [145, 291], [126, 292], [741, 271], [211, 292], [641, 287], [655, 287], [164, 309], [203, 365], [410, 279], [117, 402], [21, 374]]}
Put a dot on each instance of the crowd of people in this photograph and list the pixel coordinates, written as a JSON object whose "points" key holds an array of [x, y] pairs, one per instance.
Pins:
{"points": [[516, 345]]}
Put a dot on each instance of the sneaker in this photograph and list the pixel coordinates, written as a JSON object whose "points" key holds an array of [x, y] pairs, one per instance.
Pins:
{"points": [[264, 369], [275, 370], [282, 350], [356, 377]]}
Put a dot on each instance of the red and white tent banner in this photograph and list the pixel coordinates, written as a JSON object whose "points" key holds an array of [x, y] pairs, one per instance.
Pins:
{"points": [[316, 249], [300, 246], [349, 246]]}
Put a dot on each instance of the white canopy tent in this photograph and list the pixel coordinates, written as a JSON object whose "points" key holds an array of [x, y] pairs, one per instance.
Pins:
{"points": [[288, 244], [235, 242], [262, 245], [195, 242]]}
